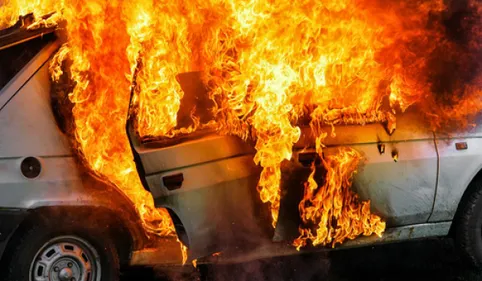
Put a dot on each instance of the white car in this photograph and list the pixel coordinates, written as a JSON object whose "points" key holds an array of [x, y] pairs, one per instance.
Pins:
{"points": [[57, 222]]}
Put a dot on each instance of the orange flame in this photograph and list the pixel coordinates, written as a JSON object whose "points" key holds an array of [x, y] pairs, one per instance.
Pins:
{"points": [[270, 66], [333, 210], [161, 44], [97, 44], [12, 10]]}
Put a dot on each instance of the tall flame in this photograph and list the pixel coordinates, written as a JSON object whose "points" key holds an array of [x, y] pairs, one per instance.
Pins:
{"points": [[160, 42], [100, 68], [270, 67], [334, 210]]}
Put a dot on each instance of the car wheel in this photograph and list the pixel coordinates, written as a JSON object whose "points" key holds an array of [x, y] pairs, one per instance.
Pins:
{"points": [[62, 251], [468, 228]]}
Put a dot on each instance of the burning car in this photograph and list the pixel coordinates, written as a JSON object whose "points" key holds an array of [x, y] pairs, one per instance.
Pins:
{"points": [[57, 221], [232, 165]]}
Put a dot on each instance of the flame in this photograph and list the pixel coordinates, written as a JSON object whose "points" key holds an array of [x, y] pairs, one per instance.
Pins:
{"points": [[12, 10], [101, 70], [184, 253], [160, 42], [270, 67], [332, 213]]}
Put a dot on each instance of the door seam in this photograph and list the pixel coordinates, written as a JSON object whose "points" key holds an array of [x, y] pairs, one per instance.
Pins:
{"points": [[436, 177]]}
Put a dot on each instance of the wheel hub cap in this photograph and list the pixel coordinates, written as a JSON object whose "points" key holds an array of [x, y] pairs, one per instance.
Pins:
{"points": [[66, 258], [66, 274]]}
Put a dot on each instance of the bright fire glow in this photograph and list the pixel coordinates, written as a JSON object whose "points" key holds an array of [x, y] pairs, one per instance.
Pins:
{"points": [[334, 209], [11, 10], [269, 66]]}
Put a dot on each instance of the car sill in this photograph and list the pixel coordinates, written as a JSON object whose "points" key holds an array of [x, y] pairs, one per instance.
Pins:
{"points": [[396, 234]]}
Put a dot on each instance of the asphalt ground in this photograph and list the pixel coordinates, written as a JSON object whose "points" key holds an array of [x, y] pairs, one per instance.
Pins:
{"points": [[430, 259]]}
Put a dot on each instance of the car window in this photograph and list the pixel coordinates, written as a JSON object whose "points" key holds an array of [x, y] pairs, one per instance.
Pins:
{"points": [[14, 58]]}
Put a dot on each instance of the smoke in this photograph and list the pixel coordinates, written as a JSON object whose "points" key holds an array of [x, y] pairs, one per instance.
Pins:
{"points": [[454, 68], [302, 267]]}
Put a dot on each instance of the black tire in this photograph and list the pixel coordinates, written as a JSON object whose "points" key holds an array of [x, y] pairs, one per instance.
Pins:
{"points": [[25, 246], [468, 228]]}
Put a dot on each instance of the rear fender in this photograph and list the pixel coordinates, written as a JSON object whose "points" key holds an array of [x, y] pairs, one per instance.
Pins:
{"points": [[64, 185], [115, 225], [471, 188]]}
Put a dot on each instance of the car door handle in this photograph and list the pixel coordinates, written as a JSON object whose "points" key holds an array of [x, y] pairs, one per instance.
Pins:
{"points": [[173, 182]]}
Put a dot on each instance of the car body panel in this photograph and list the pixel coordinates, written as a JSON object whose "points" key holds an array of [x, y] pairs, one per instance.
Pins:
{"points": [[398, 174], [28, 129], [217, 203], [394, 234], [209, 148], [401, 192], [410, 126], [216, 200], [457, 169], [28, 110]]}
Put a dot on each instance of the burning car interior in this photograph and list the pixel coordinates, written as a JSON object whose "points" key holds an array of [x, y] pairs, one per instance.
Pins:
{"points": [[237, 130]]}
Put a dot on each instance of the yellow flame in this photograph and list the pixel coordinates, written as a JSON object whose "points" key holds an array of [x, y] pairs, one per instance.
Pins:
{"points": [[96, 47], [270, 67], [332, 213], [12, 10]]}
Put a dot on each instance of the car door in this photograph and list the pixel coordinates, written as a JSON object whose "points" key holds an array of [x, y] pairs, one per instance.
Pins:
{"points": [[401, 180], [398, 174], [207, 182]]}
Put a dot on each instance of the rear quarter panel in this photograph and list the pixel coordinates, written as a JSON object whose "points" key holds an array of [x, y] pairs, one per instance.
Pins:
{"points": [[457, 168], [28, 129]]}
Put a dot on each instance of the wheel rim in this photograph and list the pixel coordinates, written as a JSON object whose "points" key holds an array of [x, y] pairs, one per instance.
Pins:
{"points": [[66, 258]]}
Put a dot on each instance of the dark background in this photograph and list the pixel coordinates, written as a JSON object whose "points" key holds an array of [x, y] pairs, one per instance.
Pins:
{"points": [[430, 259]]}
